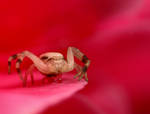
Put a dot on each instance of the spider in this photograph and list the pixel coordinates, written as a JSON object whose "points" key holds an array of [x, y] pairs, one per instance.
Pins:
{"points": [[52, 64]]}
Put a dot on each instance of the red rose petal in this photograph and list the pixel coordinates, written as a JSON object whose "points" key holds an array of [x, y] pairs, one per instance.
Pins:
{"points": [[15, 99]]}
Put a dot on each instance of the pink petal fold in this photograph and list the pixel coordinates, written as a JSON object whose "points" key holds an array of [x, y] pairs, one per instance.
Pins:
{"points": [[33, 99]]}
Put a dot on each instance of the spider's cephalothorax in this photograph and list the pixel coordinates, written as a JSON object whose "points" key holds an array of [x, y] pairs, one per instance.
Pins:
{"points": [[52, 64]]}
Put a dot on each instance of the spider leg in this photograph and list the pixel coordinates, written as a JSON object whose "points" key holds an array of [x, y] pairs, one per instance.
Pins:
{"points": [[77, 67], [32, 78], [29, 71], [9, 62], [19, 60], [82, 57], [38, 63], [70, 59]]}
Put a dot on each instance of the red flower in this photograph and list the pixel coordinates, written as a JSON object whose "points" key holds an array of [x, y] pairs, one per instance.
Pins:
{"points": [[114, 34]]}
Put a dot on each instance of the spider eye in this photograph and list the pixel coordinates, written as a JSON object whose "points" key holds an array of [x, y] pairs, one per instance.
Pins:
{"points": [[44, 57]]}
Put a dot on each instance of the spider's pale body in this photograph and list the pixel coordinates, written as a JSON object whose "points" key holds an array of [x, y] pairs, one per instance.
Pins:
{"points": [[52, 63], [56, 61]]}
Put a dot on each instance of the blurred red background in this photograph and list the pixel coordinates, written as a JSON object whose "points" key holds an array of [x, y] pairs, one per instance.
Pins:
{"points": [[114, 34]]}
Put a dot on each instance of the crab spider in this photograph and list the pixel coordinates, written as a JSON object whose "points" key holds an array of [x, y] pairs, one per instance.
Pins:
{"points": [[52, 64]]}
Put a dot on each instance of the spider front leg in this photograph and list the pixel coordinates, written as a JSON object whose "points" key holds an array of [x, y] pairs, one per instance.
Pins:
{"points": [[38, 63], [72, 51], [19, 58]]}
